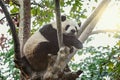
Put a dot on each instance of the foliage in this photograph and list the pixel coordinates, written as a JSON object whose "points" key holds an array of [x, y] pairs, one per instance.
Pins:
{"points": [[3, 42], [7, 66], [42, 11], [100, 62]]}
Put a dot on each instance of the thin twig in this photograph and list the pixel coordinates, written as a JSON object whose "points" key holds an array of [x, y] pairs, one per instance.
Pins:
{"points": [[10, 15]]}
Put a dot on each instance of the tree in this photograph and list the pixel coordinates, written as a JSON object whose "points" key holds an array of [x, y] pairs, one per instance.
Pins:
{"points": [[26, 24]]}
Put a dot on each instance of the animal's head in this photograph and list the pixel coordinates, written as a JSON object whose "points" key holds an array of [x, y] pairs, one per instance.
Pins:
{"points": [[70, 26]]}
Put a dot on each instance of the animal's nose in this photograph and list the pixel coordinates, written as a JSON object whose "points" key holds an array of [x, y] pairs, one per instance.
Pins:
{"points": [[73, 31]]}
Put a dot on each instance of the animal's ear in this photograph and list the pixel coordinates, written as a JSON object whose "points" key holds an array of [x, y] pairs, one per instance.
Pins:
{"points": [[79, 24], [63, 18]]}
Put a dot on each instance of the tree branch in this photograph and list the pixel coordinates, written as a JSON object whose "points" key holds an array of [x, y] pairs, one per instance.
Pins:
{"points": [[37, 4], [91, 20], [58, 21], [63, 55], [10, 15], [16, 2], [19, 63], [13, 30], [55, 69], [105, 31], [99, 9], [24, 33], [24, 26]]}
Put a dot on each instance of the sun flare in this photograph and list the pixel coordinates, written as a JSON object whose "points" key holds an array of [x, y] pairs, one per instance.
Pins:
{"points": [[111, 17], [110, 20]]}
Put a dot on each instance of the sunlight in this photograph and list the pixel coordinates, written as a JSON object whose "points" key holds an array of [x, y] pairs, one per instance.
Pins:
{"points": [[111, 17], [109, 20]]}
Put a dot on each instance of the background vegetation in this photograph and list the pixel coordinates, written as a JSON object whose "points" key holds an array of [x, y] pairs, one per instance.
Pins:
{"points": [[99, 63]]}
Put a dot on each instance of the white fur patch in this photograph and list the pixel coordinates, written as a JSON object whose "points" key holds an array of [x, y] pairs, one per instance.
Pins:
{"points": [[32, 42]]}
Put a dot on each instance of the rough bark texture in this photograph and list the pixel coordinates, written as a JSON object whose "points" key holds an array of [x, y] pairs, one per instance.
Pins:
{"points": [[25, 20], [24, 33]]}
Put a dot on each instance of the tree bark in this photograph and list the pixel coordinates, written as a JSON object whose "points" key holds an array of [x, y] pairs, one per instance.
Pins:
{"points": [[25, 22], [99, 10], [58, 21], [24, 33], [93, 19]]}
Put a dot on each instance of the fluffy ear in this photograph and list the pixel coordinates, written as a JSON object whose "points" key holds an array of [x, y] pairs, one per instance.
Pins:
{"points": [[79, 24], [63, 18]]}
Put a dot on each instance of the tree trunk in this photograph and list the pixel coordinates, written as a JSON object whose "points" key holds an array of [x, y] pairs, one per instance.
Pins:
{"points": [[25, 20], [24, 26]]}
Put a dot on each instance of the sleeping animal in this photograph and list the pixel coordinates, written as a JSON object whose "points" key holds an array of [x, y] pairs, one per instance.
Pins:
{"points": [[44, 42]]}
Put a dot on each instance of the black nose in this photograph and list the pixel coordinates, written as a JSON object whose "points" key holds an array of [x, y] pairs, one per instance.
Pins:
{"points": [[73, 31]]}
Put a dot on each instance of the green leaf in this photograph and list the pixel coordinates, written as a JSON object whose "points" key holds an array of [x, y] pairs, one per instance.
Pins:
{"points": [[15, 9]]}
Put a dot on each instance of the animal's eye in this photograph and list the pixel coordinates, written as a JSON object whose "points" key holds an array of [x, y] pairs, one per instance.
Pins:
{"points": [[67, 27]]}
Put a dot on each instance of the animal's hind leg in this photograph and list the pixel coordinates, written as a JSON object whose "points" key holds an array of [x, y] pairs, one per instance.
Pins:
{"points": [[39, 59]]}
